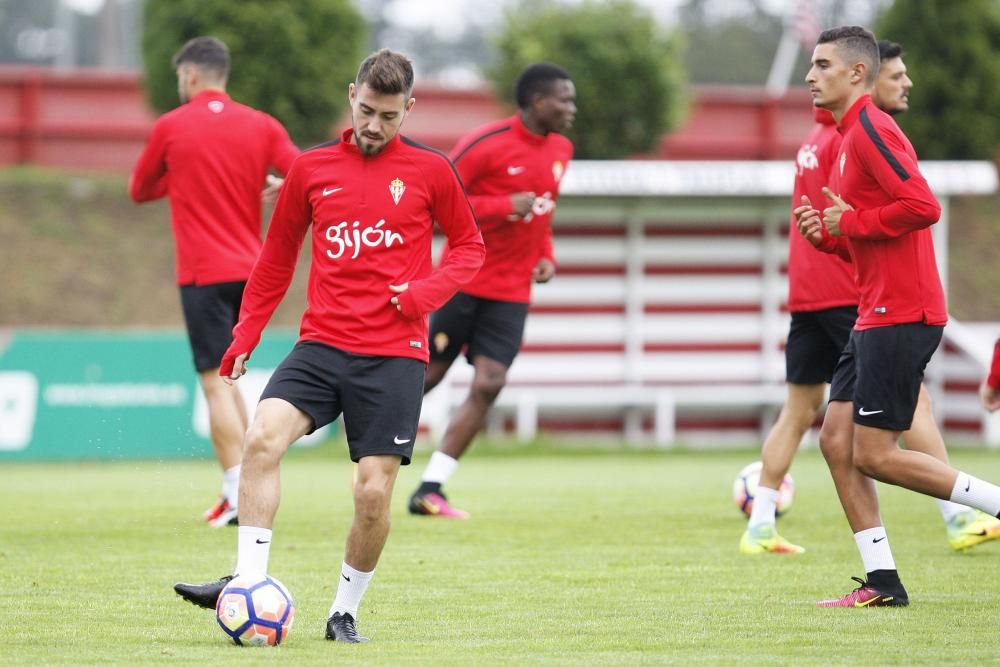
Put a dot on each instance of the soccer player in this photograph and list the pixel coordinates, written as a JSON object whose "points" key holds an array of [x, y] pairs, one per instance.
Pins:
{"points": [[823, 303], [371, 199], [989, 392], [512, 170], [210, 157], [880, 217]]}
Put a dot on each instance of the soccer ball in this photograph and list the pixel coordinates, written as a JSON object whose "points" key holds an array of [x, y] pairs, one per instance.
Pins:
{"points": [[255, 611], [745, 488]]}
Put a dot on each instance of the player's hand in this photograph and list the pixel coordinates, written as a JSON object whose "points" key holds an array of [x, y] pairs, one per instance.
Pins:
{"points": [[239, 369], [398, 289], [271, 190], [808, 221], [543, 271], [990, 397], [831, 216], [521, 203]]}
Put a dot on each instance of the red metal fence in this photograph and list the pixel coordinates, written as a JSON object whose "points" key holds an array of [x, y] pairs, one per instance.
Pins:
{"points": [[87, 119]]}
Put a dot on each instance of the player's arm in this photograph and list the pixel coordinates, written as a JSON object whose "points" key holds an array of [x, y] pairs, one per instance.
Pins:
{"points": [[466, 250], [913, 204], [281, 153], [148, 180], [272, 273], [472, 164], [990, 390]]}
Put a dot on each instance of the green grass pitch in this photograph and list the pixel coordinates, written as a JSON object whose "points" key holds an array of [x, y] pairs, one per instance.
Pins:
{"points": [[592, 558]]}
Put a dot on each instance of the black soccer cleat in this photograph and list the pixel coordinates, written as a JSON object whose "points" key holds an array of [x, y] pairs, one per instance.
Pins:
{"points": [[203, 595], [340, 628]]}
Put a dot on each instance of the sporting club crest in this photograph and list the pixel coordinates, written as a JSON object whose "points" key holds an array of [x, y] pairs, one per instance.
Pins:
{"points": [[397, 188]]}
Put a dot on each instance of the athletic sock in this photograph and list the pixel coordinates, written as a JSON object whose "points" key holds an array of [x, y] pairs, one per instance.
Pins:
{"points": [[429, 487], [950, 510], [351, 588], [231, 485], [873, 543], [765, 503], [976, 493], [440, 468], [254, 550]]}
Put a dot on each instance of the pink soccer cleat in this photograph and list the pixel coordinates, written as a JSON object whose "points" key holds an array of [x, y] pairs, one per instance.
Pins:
{"points": [[866, 596], [434, 504]]}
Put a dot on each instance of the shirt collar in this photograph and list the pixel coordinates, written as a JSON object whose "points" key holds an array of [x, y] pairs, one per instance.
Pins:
{"points": [[211, 95], [525, 133], [851, 117], [351, 147]]}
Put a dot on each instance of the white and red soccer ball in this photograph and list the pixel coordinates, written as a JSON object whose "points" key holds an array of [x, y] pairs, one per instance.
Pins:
{"points": [[745, 488], [255, 611]]}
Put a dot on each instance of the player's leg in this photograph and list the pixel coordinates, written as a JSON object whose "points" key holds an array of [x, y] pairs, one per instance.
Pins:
{"points": [[965, 526], [494, 341], [382, 399], [210, 312]]}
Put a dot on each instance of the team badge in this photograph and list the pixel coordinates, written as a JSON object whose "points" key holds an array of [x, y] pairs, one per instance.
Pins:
{"points": [[440, 341], [397, 188], [843, 159], [557, 170]]}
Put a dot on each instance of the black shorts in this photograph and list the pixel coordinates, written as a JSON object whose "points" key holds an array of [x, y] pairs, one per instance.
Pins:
{"points": [[493, 329], [815, 341], [211, 312], [380, 397], [881, 371]]}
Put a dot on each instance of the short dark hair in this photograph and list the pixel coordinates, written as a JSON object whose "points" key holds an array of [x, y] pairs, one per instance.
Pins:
{"points": [[855, 43], [207, 53], [537, 79], [888, 50], [386, 72]]}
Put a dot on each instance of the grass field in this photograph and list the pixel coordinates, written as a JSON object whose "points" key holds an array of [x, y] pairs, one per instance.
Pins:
{"points": [[593, 558]]}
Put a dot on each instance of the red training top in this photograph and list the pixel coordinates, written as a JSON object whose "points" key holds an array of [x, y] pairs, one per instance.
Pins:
{"points": [[993, 379], [496, 161], [816, 280], [372, 225], [888, 232], [211, 157]]}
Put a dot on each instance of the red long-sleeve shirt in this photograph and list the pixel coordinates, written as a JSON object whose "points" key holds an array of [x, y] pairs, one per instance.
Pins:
{"points": [[211, 157], [816, 280], [372, 224], [888, 231], [994, 377], [495, 161]]}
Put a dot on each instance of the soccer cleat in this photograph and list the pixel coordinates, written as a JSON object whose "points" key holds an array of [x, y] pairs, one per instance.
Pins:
{"points": [[340, 628], [228, 517], [764, 539], [203, 595], [434, 504], [866, 596], [967, 529], [213, 512]]}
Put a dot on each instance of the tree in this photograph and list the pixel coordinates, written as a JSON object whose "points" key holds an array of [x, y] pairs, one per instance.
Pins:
{"points": [[952, 53], [290, 58], [628, 76]]}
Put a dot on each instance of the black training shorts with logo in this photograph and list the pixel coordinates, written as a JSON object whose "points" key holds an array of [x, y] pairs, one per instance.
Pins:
{"points": [[490, 328], [211, 312], [881, 371], [815, 340], [380, 397]]}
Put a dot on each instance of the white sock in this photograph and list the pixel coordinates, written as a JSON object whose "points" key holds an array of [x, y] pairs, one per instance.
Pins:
{"points": [[351, 588], [765, 504], [976, 493], [950, 510], [440, 468], [231, 485], [254, 550], [873, 544]]}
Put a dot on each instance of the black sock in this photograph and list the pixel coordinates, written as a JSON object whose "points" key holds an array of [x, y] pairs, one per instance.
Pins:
{"points": [[886, 581], [429, 487]]}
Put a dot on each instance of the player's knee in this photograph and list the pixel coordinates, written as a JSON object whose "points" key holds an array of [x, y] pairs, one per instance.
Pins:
{"points": [[262, 441], [869, 462], [801, 417], [836, 447], [487, 386], [371, 499]]}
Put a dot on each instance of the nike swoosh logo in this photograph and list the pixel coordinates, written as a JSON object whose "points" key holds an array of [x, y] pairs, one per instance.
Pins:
{"points": [[400, 442], [879, 539], [330, 191], [514, 171], [873, 600], [260, 541], [865, 413], [346, 578], [968, 485]]}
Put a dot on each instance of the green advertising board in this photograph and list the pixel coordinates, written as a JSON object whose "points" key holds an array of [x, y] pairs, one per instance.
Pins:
{"points": [[112, 395]]}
